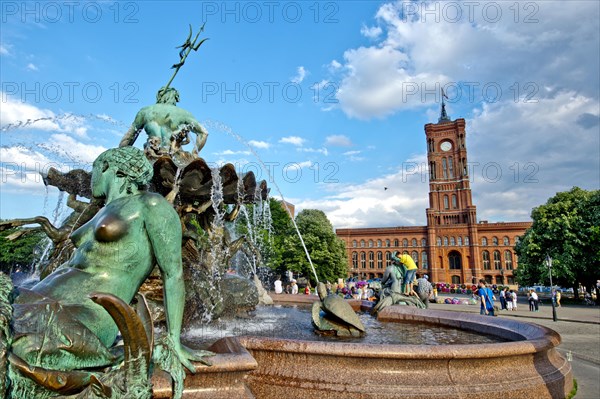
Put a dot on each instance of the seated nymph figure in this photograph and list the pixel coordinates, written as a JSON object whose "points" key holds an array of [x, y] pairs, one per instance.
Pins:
{"points": [[56, 324]]}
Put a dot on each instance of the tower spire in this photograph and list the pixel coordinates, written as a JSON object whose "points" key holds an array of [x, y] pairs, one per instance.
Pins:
{"points": [[443, 115]]}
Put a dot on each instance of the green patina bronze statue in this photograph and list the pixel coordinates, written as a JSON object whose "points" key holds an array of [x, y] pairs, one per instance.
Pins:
{"points": [[166, 125], [393, 288], [333, 315], [59, 324]]}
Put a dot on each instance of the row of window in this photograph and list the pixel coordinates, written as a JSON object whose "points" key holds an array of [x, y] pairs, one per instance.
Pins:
{"points": [[505, 241], [445, 241], [447, 168], [388, 243], [372, 258], [508, 260]]}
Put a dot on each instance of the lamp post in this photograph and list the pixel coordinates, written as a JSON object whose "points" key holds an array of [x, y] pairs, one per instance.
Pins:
{"points": [[549, 264]]}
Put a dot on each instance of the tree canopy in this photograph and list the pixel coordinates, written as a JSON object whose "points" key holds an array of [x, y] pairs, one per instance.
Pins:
{"points": [[19, 253], [326, 250], [566, 228]]}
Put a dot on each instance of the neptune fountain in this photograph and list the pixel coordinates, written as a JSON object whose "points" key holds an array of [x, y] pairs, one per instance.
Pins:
{"points": [[145, 258]]}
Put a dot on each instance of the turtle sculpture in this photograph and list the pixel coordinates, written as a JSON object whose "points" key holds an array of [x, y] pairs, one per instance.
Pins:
{"points": [[338, 318]]}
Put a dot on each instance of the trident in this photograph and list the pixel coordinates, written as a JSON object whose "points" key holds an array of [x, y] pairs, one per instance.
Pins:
{"points": [[186, 48]]}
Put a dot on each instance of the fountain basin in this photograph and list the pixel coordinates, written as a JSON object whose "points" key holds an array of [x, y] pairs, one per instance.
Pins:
{"points": [[528, 366]]}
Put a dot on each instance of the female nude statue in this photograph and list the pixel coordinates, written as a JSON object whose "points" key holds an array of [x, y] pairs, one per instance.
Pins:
{"points": [[57, 325]]}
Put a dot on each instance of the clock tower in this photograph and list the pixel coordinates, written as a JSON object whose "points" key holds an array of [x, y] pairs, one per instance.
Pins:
{"points": [[451, 209]]}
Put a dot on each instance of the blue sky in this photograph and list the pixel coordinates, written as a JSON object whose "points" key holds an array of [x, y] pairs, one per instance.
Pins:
{"points": [[332, 96]]}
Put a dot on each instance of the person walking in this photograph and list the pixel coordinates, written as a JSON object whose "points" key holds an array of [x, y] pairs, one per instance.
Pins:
{"points": [[502, 299], [530, 300], [513, 296], [424, 290], [535, 300], [558, 295], [486, 297]]}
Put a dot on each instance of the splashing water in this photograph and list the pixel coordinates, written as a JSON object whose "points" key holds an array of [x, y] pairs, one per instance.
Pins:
{"points": [[224, 128]]}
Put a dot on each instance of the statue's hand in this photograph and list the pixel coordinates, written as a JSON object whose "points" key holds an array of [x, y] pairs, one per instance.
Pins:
{"points": [[187, 355]]}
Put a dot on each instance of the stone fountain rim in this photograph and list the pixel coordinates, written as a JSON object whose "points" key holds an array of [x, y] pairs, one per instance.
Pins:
{"points": [[528, 338]]}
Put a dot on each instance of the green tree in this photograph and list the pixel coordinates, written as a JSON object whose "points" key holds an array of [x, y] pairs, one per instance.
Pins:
{"points": [[20, 252], [567, 228], [326, 250]]}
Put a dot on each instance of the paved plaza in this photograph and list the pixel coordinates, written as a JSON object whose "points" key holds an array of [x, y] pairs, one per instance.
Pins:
{"points": [[579, 327]]}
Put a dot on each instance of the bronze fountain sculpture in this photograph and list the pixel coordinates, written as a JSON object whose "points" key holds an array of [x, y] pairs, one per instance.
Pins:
{"points": [[62, 340]]}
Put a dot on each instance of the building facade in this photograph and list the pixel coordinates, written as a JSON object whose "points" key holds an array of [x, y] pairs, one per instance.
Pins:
{"points": [[454, 247]]}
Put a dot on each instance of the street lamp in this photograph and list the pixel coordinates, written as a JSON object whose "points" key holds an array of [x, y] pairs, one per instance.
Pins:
{"points": [[549, 264]]}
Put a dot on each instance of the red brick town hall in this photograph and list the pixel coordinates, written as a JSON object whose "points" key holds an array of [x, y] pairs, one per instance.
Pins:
{"points": [[454, 247]]}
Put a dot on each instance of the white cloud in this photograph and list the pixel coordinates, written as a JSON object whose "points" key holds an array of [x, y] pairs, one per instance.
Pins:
{"points": [[334, 65], [230, 152], [353, 156], [295, 140], [300, 75], [17, 114], [4, 49], [338, 140], [523, 153], [420, 51], [32, 67], [315, 150], [259, 144], [372, 32], [370, 204]]}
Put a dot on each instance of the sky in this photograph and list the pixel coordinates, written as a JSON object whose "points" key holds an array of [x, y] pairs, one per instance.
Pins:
{"points": [[325, 100]]}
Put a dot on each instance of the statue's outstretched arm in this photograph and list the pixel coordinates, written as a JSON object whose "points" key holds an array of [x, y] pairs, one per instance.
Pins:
{"points": [[164, 231], [134, 131], [201, 136]]}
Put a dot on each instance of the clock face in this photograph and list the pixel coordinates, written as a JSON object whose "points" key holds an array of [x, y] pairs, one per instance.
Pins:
{"points": [[446, 146]]}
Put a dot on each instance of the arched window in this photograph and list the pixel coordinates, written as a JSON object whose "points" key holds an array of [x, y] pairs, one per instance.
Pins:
{"points": [[497, 260], [455, 260], [506, 241], [371, 260], [404, 252], [495, 241], [355, 260], [379, 260], [362, 243], [459, 241], [445, 241], [484, 241], [446, 206], [438, 241], [396, 243], [388, 258], [424, 264], [387, 243], [378, 243], [405, 242], [455, 279], [432, 170], [415, 256], [450, 167], [444, 168], [354, 243], [486, 260], [363, 260], [423, 242], [466, 240], [454, 203], [370, 243], [508, 265], [413, 242], [452, 243]]}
